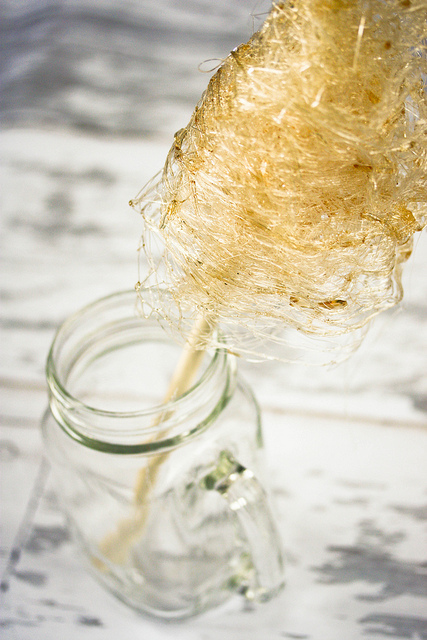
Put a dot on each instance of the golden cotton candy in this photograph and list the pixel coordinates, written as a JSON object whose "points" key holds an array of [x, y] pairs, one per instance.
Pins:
{"points": [[291, 197]]}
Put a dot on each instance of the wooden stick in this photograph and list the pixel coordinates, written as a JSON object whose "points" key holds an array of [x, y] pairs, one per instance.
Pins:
{"points": [[117, 544], [190, 359]]}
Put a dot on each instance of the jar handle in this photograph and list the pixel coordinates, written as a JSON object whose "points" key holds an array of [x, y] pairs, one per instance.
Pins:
{"points": [[248, 500]]}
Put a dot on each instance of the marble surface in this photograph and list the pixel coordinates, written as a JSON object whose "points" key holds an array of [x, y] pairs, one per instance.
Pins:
{"points": [[346, 446]]}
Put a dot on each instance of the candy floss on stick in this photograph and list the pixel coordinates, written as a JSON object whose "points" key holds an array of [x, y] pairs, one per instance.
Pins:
{"points": [[291, 198]]}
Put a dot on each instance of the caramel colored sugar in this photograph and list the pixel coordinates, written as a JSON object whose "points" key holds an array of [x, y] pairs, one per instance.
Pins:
{"points": [[292, 196]]}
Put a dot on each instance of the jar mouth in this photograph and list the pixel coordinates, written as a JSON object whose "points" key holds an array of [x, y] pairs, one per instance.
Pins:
{"points": [[109, 328]]}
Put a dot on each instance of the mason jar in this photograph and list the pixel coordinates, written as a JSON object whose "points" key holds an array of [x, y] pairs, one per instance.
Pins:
{"points": [[163, 498]]}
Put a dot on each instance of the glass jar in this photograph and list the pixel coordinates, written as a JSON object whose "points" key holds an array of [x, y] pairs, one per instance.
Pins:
{"points": [[163, 498]]}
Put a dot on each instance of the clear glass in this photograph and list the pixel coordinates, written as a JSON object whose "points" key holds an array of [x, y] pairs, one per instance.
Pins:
{"points": [[164, 499]]}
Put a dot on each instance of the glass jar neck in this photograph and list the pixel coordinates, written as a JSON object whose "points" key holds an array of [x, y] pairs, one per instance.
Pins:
{"points": [[99, 353]]}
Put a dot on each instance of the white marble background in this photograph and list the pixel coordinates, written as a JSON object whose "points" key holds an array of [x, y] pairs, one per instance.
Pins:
{"points": [[91, 95]]}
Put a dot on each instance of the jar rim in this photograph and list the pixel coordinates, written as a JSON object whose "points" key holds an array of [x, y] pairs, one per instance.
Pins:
{"points": [[60, 395]]}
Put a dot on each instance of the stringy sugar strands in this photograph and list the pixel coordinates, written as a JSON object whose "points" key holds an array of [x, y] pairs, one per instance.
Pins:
{"points": [[291, 197]]}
